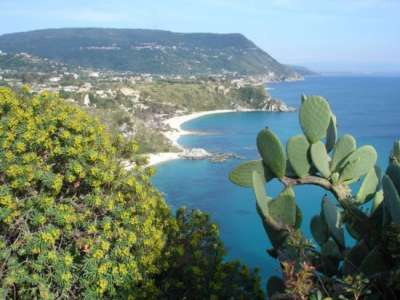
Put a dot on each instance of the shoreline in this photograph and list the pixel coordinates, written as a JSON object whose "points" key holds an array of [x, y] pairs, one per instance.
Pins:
{"points": [[176, 132]]}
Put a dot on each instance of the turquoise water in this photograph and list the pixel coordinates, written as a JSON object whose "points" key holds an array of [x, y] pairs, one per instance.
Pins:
{"points": [[366, 107]]}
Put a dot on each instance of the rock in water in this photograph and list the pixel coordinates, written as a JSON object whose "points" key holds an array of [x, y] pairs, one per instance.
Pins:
{"points": [[196, 153]]}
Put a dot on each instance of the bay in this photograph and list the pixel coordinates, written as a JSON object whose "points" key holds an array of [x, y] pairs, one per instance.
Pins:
{"points": [[367, 107]]}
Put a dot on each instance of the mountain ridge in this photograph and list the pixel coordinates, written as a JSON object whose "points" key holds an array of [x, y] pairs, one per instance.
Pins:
{"points": [[149, 51]]}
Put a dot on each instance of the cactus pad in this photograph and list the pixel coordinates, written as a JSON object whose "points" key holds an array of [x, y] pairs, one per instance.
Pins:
{"points": [[299, 218], [331, 134], [354, 257], [330, 215], [272, 152], [370, 186], [359, 163], [283, 208], [396, 151], [319, 230], [393, 172], [242, 175], [259, 191], [373, 263], [378, 199], [344, 147], [320, 159], [274, 229], [391, 199], [315, 116], [297, 150], [275, 285], [330, 249]]}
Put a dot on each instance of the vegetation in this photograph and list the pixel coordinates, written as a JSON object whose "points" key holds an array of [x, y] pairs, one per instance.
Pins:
{"points": [[22, 63], [121, 115], [75, 223], [131, 104], [197, 270], [147, 51], [366, 267], [302, 70], [201, 95]]}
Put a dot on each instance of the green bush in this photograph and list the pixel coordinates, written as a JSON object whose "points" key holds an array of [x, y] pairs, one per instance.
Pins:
{"points": [[197, 269], [252, 93]]}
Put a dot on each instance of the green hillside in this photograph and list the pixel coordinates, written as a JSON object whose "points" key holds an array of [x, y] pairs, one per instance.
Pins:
{"points": [[148, 51]]}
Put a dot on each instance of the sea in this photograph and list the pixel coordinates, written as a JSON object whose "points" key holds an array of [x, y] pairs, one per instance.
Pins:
{"points": [[367, 107]]}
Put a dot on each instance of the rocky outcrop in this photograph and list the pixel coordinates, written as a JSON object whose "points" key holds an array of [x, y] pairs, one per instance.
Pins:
{"points": [[195, 154], [199, 153], [275, 105]]}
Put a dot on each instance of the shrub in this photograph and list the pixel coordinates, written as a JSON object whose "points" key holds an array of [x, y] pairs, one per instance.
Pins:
{"points": [[197, 270], [370, 268], [76, 224]]}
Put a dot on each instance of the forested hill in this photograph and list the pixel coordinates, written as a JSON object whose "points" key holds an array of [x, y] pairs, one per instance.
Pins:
{"points": [[148, 51]]}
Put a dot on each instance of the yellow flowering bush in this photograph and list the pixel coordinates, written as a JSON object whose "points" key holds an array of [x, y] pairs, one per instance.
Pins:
{"points": [[74, 223]]}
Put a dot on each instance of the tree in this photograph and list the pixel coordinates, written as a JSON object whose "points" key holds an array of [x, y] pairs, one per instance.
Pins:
{"points": [[197, 269], [368, 270]]}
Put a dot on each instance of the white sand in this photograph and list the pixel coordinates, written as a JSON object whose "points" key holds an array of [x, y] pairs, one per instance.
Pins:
{"points": [[155, 159], [176, 132], [176, 122]]}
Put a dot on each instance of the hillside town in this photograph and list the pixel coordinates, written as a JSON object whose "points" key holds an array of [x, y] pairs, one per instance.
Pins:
{"points": [[137, 105]]}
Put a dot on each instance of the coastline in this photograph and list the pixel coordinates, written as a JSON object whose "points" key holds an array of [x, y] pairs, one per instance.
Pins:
{"points": [[176, 132]]}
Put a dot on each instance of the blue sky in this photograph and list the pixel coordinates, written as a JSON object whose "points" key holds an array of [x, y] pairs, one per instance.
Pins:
{"points": [[326, 35]]}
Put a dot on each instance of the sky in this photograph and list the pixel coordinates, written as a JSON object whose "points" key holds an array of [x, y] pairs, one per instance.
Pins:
{"points": [[325, 35]]}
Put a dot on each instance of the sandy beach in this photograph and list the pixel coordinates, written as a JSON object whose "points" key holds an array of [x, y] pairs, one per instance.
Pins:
{"points": [[176, 132]]}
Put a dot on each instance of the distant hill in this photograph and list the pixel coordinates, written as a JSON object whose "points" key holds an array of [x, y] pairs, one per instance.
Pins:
{"points": [[303, 71], [148, 51]]}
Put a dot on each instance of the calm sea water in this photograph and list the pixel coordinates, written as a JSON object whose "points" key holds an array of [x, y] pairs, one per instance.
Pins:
{"points": [[366, 107]]}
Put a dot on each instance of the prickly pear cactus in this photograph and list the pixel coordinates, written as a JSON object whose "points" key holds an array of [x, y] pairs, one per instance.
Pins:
{"points": [[283, 208], [359, 163], [370, 215], [275, 285], [331, 215], [298, 155], [272, 152], [392, 199], [320, 159], [345, 146], [242, 175], [396, 152], [393, 171], [315, 116], [319, 230], [331, 134], [370, 186]]}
